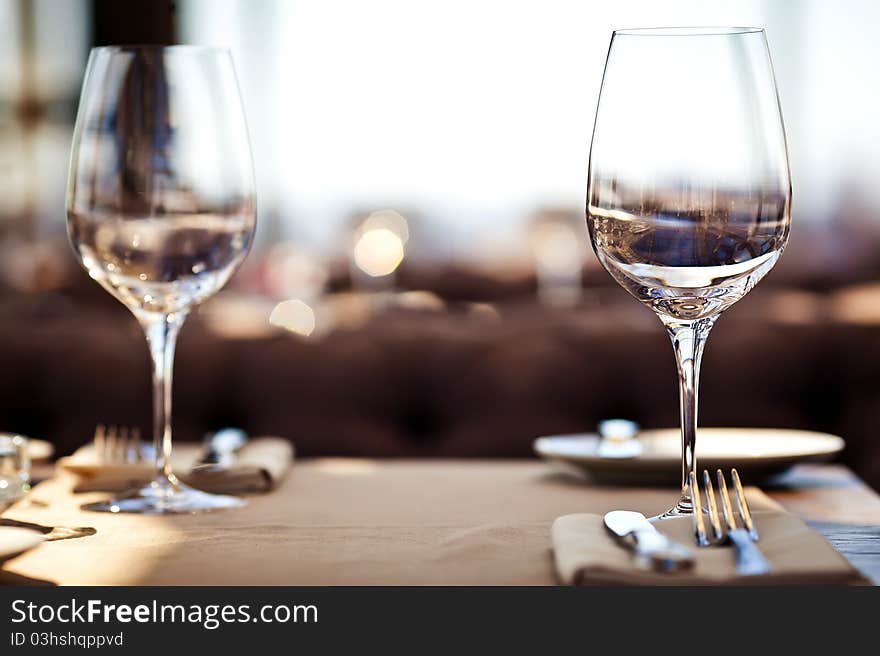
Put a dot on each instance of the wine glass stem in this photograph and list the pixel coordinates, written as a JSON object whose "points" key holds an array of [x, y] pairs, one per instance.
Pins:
{"points": [[161, 331], [688, 340]]}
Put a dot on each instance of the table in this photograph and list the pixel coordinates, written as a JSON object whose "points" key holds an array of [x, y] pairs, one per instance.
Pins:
{"points": [[392, 522]]}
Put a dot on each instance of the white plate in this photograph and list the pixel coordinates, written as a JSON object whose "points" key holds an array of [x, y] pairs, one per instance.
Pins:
{"points": [[15, 541], [756, 452]]}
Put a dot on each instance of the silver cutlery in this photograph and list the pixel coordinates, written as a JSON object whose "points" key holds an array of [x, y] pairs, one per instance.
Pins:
{"points": [[221, 449], [118, 445], [744, 537], [652, 549], [618, 438]]}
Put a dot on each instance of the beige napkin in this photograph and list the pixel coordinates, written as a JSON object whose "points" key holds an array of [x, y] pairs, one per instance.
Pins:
{"points": [[260, 465], [587, 554]]}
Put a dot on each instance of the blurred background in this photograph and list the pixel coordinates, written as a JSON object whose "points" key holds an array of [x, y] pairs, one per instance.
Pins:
{"points": [[421, 282]]}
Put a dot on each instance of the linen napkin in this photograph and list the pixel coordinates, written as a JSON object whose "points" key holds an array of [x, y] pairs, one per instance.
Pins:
{"points": [[586, 553], [259, 466]]}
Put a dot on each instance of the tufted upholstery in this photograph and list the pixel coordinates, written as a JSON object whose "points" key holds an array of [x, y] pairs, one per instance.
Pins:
{"points": [[444, 382]]}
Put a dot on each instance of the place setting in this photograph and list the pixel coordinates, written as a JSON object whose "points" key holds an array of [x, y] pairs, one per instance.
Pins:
{"points": [[736, 536], [228, 462], [624, 547]]}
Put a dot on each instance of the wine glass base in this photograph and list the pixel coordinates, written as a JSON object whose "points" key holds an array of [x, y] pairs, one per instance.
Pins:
{"points": [[158, 499], [682, 509]]}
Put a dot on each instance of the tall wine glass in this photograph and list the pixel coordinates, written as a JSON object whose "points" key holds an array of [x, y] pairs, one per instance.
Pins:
{"points": [[689, 188], [161, 210]]}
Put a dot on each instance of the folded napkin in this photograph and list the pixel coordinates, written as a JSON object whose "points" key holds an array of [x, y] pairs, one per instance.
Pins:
{"points": [[587, 554], [259, 466]]}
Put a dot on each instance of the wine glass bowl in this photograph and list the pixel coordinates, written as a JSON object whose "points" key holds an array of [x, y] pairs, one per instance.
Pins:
{"points": [[688, 262], [161, 209], [689, 191]]}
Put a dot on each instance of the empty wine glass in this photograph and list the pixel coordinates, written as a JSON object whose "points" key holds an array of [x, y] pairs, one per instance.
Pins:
{"points": [[689, 188], [161, 210]]}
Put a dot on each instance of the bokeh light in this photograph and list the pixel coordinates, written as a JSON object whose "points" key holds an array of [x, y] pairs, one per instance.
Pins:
{"points": [[378, 252], [295, 316]]}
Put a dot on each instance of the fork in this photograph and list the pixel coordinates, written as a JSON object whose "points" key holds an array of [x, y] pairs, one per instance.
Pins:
{"points": [[118, 445], [749, 559]]}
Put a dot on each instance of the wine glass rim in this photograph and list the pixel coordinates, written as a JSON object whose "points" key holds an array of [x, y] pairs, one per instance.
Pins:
{"points": [[158, 47], [687, 31]]}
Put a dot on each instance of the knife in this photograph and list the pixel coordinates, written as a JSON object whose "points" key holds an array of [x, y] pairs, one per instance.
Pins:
{"points": [[652, 549]]}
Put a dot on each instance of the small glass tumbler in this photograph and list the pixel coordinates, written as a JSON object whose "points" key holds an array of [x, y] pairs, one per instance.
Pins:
{"points": [[15, 468]]}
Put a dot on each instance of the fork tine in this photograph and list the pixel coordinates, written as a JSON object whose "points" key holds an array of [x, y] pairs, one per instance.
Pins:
{"points": [[109, 444], [121, 454], [98, 441], [726, 508], [743, 506], [136, 455], [699, 521], [713, 509]]}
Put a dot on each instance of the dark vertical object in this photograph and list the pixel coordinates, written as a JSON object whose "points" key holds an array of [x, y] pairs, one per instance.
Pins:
{"points": [[133, 22], [143, 134]]}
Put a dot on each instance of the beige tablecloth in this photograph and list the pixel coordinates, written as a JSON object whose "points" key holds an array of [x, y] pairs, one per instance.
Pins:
{"points": [[351, 522]]}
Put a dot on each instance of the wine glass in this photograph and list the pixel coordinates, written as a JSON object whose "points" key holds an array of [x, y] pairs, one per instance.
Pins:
{"points": [[161, 210], [689, 195]]}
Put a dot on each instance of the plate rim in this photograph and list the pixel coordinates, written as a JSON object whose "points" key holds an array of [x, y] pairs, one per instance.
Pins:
{"points": [[838, 445]]}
